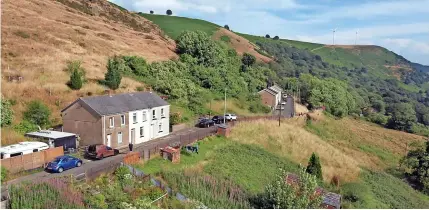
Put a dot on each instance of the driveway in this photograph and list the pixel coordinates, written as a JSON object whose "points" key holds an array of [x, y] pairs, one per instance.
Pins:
{"points": [[288, 110]]}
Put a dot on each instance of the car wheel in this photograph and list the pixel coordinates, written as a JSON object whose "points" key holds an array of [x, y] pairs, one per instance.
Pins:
{"points": [[101, 157], [208, 125], [79, 164], [60, 169]]}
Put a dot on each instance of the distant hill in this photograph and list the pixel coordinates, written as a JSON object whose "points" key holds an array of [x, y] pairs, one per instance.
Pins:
{"points": [[420, 67]]}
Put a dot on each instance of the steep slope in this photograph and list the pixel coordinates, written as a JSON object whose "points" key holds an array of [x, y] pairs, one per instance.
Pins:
{"points": [[39, 37]]}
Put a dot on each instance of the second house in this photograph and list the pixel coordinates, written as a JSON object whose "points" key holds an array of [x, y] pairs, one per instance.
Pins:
{"points": [[117, 120]]}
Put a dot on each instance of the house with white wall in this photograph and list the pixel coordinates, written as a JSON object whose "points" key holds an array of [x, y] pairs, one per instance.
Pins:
{"points": [[117, 120]]}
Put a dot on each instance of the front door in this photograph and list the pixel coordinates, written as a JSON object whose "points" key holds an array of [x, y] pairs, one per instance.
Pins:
{"points": [[133, 136], [109, 139]]}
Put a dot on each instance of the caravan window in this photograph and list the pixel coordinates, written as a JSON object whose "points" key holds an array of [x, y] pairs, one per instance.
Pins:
{"points": [[16, 154], [35, 150]]}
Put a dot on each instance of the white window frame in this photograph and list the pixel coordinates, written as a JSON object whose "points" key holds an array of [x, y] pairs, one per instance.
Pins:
{"points": [[123, 119], [162, 113], [144, 116], [135, 117], [154, 114], [121, 139], [112, 122], [142, 131], [160, 128]]}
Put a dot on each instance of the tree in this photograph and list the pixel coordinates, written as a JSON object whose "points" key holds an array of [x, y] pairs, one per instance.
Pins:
{"points": [[276, 38], [169, 12], [403, 116], [417, 162], [248, 59], [113, 76], [226, 27], [6, 112], [314, 166], [137, 65], [76, 80], [267, 36], [281, 195], [37, 113], [151, 12]]}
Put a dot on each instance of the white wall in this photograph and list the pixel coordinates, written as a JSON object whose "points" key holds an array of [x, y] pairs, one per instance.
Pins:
{"points": [[150, 126]]}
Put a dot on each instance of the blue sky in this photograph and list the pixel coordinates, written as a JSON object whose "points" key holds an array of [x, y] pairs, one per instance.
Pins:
{"points": [[399, 25]]}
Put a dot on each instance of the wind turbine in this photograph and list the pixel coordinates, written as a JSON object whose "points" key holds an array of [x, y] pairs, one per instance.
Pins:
{"points": [[356, 36], [333, 36]]}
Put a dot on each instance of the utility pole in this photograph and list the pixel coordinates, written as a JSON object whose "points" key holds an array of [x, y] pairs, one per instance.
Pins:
{"points": [[356, 38], [280, 113], [224, 110]]}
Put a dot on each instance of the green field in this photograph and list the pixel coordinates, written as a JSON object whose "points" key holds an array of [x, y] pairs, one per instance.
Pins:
{"points": [[173, 25]]}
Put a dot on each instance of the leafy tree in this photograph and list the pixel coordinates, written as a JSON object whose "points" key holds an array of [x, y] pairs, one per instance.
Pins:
{"points": [[151, 12], [267, 36], [276, 38], [6, 112], [25, 127], [226, 27], [314, 166], [169, 12], [248, 59], [137, 65], [77, 74], [113, 77], [417, 162], [37, 113], [281, 195], [403, 116]]}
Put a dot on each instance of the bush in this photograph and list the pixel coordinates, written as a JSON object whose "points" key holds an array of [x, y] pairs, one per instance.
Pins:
{"points": [[267, 36], [175, 118], [276, 38], [25, 127], [169, 12], [37, 113], [4, 174], [226, 27], [378, 118], [6, 112], [76, 80], [248, 59], [151, 12]]}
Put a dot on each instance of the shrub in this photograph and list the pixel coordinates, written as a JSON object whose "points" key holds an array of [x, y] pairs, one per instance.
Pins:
{"points": [[175, 118], [248, 59], [225, 39], [77, 77], [276, 38], [151, 12], [281, 195], [314, 166], [25, 127], [136, 64], [113, 76], [267, 36], [4, 173], [6, 112], [140, 88], [97, 201], [226, 27], [76, 80], [37, 113], [169, 12]]}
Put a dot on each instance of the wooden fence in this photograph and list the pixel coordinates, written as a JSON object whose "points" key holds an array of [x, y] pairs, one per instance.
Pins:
{"points": [[31, 161]]}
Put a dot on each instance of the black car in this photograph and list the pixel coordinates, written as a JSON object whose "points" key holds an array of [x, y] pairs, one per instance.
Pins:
{"points": [[205, 123], [218, 119]]}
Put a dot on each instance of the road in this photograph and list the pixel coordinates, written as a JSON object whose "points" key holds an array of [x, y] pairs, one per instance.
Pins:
{"points": [[288, 110]]}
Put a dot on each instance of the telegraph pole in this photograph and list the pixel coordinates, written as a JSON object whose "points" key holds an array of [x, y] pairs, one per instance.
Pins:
{"points": [[224, 109], [280, 113]]}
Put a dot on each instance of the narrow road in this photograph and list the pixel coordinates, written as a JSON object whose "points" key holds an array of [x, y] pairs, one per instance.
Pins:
{"points": [[288, 109]]}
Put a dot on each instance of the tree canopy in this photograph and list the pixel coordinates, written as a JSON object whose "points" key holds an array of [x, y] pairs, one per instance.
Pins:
{"points": [[37, 113], [113, 77]]}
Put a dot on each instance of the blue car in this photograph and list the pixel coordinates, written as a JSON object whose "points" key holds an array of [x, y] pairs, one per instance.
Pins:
{"points": [[62, 163]]}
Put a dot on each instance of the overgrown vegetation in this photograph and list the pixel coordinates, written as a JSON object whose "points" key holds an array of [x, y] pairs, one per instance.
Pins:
{"points": [[6, 112], [77, 74], [113, 77], [417, 163], [38, 113], [314, 167]]}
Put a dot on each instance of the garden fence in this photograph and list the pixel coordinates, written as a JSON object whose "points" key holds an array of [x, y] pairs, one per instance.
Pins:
{"points": [[32, 160]]}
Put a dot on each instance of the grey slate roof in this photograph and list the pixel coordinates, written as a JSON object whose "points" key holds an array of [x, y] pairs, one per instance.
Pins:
{"points": [[269, 91], [125, 102]]}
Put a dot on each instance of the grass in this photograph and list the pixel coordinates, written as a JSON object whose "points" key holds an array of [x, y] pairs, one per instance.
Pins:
{"points": [[292, 141], [173, 26], [225, 39], [232, 105], [382, 190]]}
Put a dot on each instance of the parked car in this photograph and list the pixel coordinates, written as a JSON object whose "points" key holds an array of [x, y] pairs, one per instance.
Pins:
{"points": [[100, 151], [218, 119], [230, 117], [206, 123], [63, 163]]}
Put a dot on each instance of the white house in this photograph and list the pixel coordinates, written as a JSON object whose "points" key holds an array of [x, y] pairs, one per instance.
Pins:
{"points": [[147, 124]]}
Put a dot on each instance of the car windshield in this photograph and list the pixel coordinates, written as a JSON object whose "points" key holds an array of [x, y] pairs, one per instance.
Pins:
{"points": [[92, 148]]}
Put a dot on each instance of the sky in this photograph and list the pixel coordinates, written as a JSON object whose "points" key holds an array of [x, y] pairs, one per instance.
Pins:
{"points": [[401, 26]]}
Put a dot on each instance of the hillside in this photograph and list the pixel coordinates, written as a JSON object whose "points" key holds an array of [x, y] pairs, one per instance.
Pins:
{"points": [[70, 30]]}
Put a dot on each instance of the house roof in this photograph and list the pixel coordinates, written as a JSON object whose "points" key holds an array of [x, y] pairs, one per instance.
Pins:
{"points": [[50, 134], [120, 103], [275, 88], [269, 91]]}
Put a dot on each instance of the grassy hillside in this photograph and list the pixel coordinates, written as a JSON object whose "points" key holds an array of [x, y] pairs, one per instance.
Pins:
{"points": [[173, 25]]}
